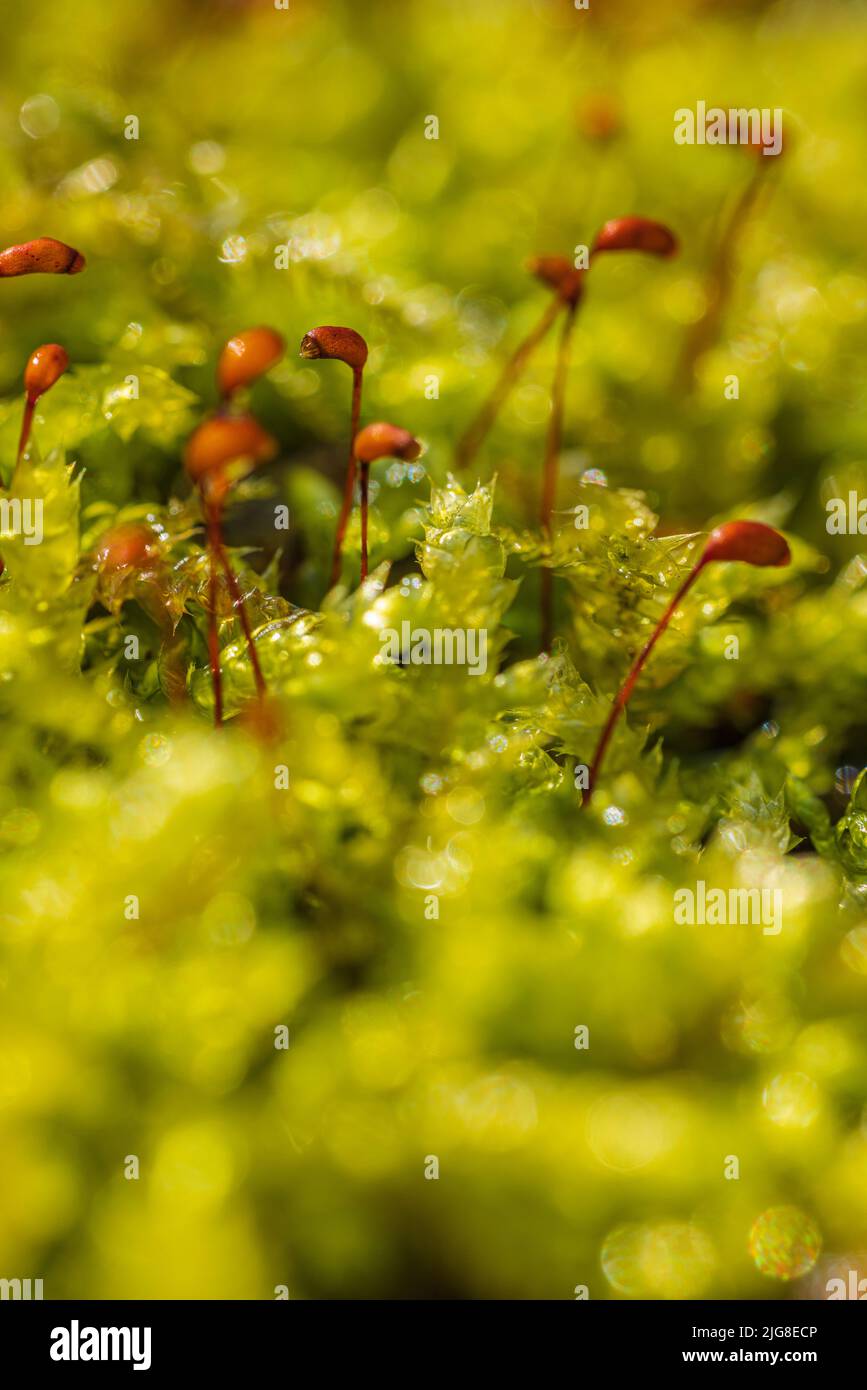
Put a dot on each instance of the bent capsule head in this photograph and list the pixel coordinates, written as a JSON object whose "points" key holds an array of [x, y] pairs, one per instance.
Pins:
{"points": [[344, 344], [381, 440], [42, 256], [635, 234]]}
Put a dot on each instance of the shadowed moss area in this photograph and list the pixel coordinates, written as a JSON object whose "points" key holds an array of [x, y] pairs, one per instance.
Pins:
{"points": [[357, 994]]}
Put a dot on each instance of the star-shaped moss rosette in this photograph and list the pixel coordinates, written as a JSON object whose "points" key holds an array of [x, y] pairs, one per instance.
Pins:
{"points": [[463, 555]]}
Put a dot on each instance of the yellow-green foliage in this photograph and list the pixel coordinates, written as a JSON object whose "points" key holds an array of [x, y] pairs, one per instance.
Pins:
{"points": [[392, 862]]}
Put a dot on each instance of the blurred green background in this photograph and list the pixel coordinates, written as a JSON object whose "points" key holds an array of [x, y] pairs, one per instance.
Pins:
{"points": [[413, 1037]]}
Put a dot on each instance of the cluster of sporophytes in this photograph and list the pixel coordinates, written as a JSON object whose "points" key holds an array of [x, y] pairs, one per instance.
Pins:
{"points": [[389, 861], [231, 443]]}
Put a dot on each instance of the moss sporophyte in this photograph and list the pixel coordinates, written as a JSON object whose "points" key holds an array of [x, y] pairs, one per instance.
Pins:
{"points": [[720, 277], [246, 357], [41, 256], [231, 443], [566, 278], [343, 345], [377, 441], [750, 542], [220, 451], [45, 366]]}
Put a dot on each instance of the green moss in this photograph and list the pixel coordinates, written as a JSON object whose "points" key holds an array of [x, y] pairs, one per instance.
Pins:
{"points": [[396, 864]]}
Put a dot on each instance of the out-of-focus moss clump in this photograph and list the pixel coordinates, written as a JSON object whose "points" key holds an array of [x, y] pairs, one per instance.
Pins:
{"points": [[374, 1006]]}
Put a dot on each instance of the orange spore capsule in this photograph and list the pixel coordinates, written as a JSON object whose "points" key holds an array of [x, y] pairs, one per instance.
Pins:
{"points": [[215, 452], [377, 441], [247, 356], [635, 234], [750, 541], [45, 366], [130, 545], [381, 440], [43, 369], [42, 256], [225, 439], [344, 344]]}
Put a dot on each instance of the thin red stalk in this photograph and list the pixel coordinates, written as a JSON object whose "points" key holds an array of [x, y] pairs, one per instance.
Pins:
{"points": [[628, 685], [552, 457], [720, 277], [213, 638], [215, 539], [349, 486], [26, 424], [474, 436], [365, 475]]}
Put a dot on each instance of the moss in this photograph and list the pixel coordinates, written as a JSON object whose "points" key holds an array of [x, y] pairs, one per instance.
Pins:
{"points": [[387, 867]]}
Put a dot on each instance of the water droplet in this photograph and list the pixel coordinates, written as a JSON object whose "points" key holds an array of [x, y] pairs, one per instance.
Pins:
{"points": [[784, 1243], [206, 157], [39, 116], [845, 778], [155, 750], [233, 250], [792, 1100]]}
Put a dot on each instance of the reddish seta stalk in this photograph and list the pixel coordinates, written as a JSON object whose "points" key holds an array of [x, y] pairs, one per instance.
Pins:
{"points": [[365, 478], [625, 692], [620, 234], [219, 451], [751, 542], [721, 275], [342, 345], [218, 548], [222, 449], [45, 366], [349, 485], [477, 431], [566, 280], [26, 426], [376, 441], [43, 255]]}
